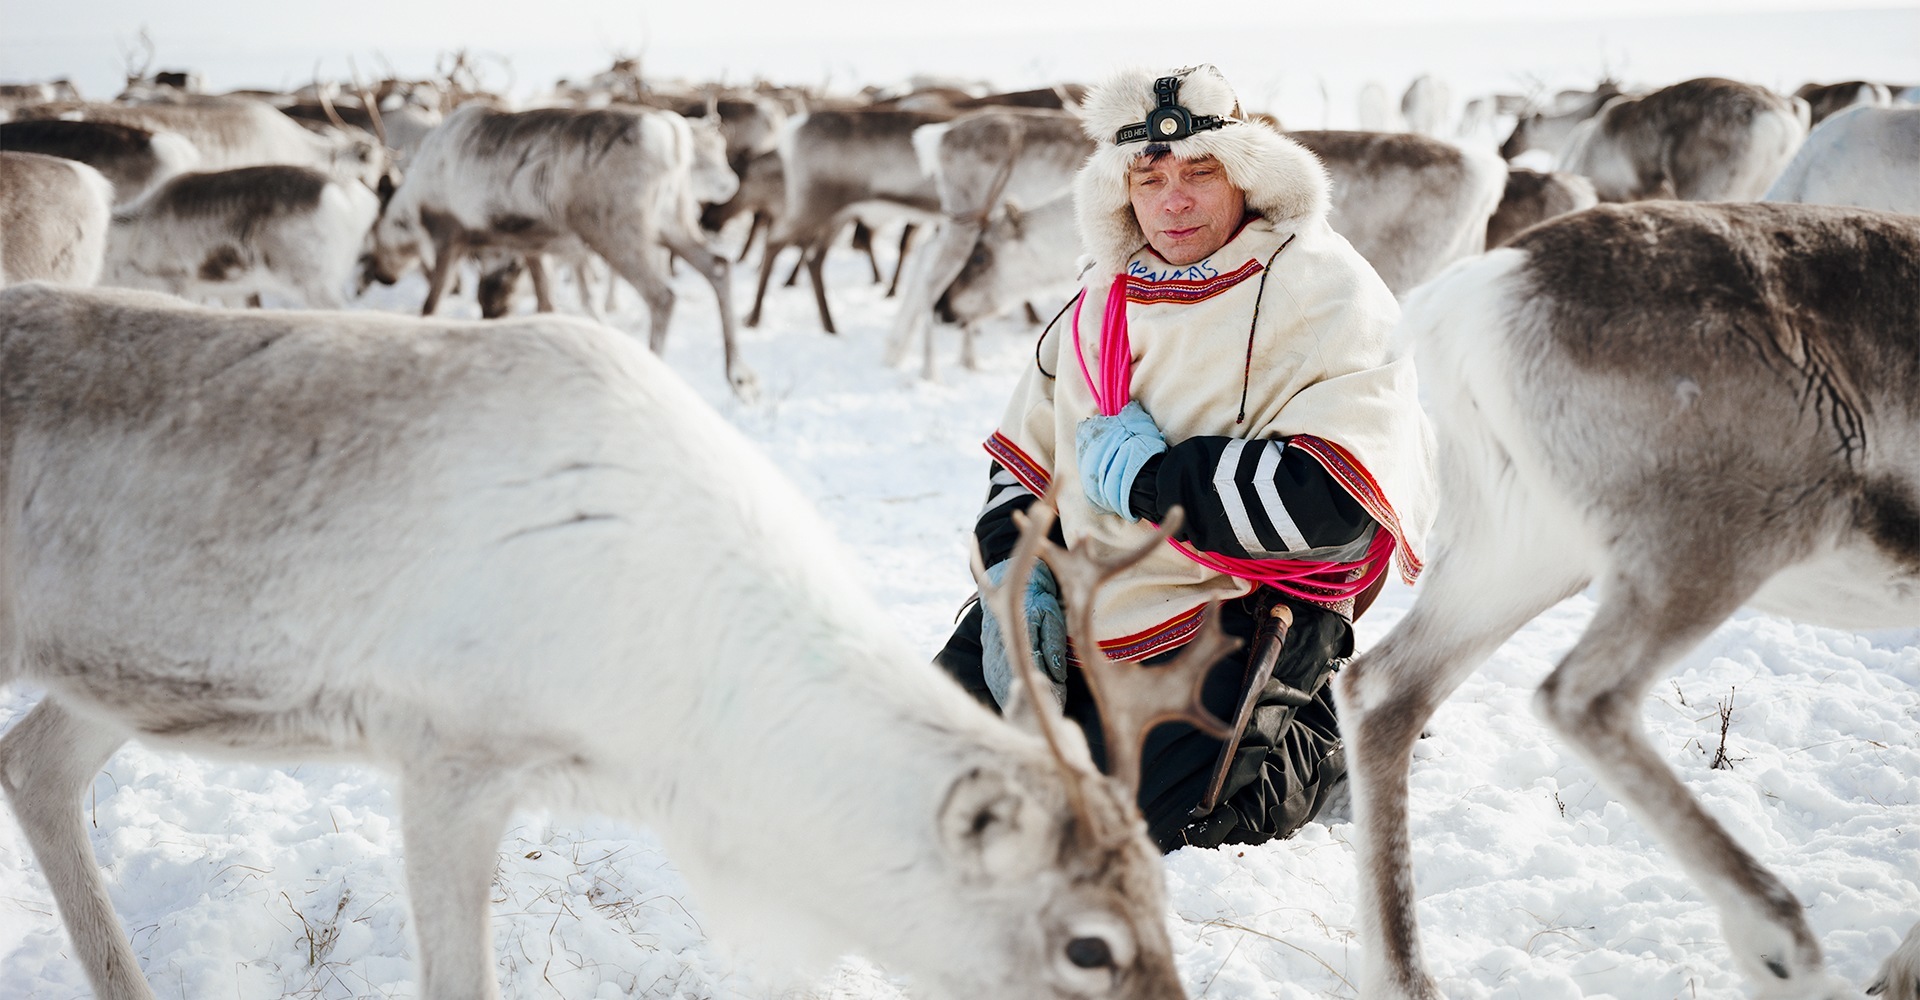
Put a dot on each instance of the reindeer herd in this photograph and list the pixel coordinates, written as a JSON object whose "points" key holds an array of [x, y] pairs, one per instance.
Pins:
{"points": [[423, 543]]}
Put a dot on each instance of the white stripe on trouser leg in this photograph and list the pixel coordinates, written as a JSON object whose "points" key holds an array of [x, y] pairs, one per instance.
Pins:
{"points": [[1005, 494], [1263, 485], [1229, 492]]}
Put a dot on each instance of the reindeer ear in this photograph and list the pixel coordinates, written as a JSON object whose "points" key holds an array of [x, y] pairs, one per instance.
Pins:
{"points": [[991, 829]]}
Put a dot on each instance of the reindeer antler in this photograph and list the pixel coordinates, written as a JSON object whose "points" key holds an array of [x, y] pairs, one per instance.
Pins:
{"points": [[323, 91], [370, 104], [1133, 699]]}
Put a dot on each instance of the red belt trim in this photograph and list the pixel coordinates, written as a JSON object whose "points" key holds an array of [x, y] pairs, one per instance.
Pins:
{"points": [[1176, 631]]}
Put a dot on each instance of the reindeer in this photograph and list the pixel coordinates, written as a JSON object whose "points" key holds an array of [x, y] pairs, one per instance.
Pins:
{"points": [[1701, 140], [979, 162], [425, 544], [1022, 252], [241, 132], [1696, 407], [623, 182], [234, 234], [1824, 100], [24, 95], [1427, 106], [1866, 157], [839, 164], [1532, 197], [134, 160], [1550, 129], [53, 219], [1410, 204]]}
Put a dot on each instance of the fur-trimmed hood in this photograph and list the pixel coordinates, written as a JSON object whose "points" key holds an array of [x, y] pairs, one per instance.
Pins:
{"points": [[1282, 180]]}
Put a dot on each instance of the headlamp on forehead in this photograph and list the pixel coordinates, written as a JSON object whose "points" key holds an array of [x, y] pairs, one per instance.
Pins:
{"points": [[1168, 121]]}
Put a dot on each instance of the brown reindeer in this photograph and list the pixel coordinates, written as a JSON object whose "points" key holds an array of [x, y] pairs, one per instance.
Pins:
{"points": [[1694, 408]]}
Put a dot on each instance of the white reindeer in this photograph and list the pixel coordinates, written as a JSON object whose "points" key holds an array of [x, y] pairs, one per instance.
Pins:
{"points": [[427, 544], [1867, 157], [839, 166], [53, 219], [288, 231], [623, 182], [1409, 203], [1693, 407], [978, 163]]}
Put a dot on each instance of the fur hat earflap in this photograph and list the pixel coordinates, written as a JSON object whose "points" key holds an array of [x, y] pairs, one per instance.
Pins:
{"points": [[1281, 179]]}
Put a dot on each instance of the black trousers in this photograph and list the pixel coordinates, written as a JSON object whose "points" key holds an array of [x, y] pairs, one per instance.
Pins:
{"points": [[1288, 760]]}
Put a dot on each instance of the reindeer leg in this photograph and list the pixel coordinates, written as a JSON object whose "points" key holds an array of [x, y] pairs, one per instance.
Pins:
{"points": [[793, 275], [633, 259], [934, 268], [453, 814], [46, 763], [1899, 975], [906, 240], [1655, 608], [1385, 698], [862, 242], [718, 272], [542, 292], [583, 284], [613, 291], [767, 256], [446, 255], [758, 223], [1494, 575], [816, 259]]}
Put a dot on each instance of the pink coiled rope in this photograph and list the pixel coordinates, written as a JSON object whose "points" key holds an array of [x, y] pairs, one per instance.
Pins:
{"points": [[1319, 582]]}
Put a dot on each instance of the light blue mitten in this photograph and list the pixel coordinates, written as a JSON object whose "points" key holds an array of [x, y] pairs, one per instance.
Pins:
{"points": [[1110, 451], [1046, 636]]}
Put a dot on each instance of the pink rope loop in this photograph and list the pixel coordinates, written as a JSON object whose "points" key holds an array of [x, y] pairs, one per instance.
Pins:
{"points": [[1116, 353]]}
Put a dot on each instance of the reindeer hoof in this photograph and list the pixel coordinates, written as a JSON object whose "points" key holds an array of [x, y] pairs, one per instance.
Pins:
{"points": [[745, 384]]}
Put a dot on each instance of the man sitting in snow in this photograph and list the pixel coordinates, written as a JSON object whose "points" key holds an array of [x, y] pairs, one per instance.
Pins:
{"points": [[1241, 372]]}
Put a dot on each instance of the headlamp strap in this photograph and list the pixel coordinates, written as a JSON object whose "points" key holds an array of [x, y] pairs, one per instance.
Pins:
{"points": [[1169, 120], [1138, 131]]}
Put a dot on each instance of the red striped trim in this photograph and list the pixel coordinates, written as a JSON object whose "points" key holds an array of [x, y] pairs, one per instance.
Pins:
{"points": [[1358, 482], [1031, 474], [1173, 632], [1188, 292]]}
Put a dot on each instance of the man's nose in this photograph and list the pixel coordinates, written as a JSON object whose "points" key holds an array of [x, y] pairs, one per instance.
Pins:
{"points": [[1178, 199]]}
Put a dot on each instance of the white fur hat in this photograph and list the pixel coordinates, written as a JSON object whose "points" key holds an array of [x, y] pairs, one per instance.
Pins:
{"points": [[1281, 179]]}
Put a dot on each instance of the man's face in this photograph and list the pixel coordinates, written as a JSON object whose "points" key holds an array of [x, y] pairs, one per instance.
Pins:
{"points": [[1187, 208]]}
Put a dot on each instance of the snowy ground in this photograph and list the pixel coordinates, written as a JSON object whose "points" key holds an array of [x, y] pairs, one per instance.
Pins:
{"points": [[254, 882]]}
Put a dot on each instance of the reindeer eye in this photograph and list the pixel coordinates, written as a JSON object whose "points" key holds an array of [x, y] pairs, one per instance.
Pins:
{"points": [[1089, 953]]}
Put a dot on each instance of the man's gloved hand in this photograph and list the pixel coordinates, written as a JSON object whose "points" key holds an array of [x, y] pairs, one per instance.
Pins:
{"points": [[1046, 630], [1110, 451]]}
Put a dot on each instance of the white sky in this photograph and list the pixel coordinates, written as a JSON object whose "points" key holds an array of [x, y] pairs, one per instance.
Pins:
{"points": [[497, 22], [247, 42]]}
